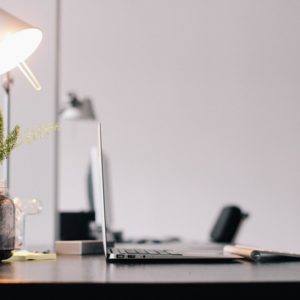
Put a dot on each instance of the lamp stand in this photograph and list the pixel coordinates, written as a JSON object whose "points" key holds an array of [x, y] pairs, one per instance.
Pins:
{"points": [[8, 81]]}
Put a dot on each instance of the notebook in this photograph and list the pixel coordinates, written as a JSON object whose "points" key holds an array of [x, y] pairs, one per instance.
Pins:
{"points": [[132, 254]]}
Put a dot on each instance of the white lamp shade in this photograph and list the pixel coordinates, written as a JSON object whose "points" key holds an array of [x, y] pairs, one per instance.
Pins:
{"points": [[84, 111], [18, 40]]}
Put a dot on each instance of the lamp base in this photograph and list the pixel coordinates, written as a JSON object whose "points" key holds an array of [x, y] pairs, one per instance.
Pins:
{"points": [[81, 247]]}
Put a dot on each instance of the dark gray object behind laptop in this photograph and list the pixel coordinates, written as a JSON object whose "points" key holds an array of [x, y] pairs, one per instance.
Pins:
{"points": [[116, 254]]}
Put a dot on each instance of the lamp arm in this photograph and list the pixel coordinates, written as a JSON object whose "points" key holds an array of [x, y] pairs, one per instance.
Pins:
{"points": [[8, 81], [29, 75]]}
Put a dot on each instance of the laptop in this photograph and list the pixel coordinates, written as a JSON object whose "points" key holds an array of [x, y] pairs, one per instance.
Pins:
{"points": [[132, 254]]}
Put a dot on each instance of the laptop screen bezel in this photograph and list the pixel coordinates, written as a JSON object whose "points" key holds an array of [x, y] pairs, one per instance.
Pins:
{"points": [[102, 194]]}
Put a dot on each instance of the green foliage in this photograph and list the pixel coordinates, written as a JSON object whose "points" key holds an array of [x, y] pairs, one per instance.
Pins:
{"points": [[14, 138], [38, 133], [8, 144]]}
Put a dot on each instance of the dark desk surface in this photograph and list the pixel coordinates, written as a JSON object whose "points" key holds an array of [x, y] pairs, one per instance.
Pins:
{"points": [[69, 269], [94, 269]]}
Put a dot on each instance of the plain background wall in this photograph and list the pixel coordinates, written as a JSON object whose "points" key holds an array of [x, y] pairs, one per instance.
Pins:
{"points": [[32, 166], [199, 103], [200, 107]]}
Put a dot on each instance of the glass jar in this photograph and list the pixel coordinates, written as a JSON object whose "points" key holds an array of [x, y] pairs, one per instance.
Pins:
{"points": [[23, 208], [7, 224]]}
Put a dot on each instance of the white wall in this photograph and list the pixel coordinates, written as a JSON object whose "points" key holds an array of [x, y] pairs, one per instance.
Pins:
{"points": [[200, 107], [32, 166], [199, 102]]}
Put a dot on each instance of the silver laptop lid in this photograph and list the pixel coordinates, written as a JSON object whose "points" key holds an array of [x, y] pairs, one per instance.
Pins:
{"points": [[101, 183]]}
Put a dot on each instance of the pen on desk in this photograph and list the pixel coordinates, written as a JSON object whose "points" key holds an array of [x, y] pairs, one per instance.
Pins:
{"points": [[243, 251]]}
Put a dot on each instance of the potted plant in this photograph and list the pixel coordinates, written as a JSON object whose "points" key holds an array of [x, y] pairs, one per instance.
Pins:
{"points": [[7, 206], [7, 209]]}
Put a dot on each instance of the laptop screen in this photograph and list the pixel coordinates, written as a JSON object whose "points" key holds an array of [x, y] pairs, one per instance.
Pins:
{"points": [[101, 184]]}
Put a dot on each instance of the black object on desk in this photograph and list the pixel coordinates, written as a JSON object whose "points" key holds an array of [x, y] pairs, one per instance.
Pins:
{"points": [[75, 225], [227, 224]]}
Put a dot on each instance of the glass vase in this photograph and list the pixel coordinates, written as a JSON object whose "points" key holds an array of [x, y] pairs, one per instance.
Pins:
{"points": [[7, 224], [23, 208]]}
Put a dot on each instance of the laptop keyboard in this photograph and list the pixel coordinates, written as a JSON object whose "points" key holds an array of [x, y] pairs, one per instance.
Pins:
{"points": [[145, 251]]}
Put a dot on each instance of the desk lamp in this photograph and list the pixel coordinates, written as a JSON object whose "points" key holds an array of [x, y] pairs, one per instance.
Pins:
{"points": [[18, 40], [76, 109]]}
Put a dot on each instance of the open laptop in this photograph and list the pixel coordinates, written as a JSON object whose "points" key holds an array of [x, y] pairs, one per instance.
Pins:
{"points": [[116, 254]]}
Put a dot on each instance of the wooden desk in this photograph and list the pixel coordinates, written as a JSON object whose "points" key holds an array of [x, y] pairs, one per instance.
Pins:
{"points": [[93, 272]]}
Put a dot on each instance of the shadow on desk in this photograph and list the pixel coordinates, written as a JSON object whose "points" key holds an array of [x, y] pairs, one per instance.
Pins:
{"points": [[209, 261]]}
